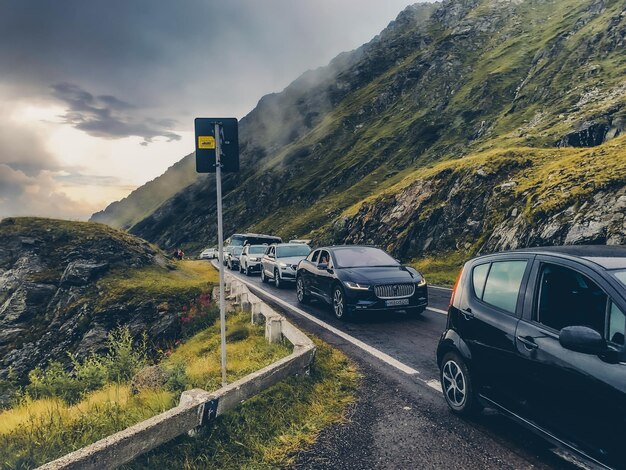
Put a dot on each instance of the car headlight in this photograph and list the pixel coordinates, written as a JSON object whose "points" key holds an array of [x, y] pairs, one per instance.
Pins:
{"points": [[282, 265], [254, 259], [357, 286], [422, 282]]}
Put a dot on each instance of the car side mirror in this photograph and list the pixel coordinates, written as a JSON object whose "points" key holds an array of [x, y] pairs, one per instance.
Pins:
{"points": [[322, 266], [582, 339]]}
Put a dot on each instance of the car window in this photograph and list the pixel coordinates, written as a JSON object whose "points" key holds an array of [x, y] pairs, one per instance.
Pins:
{"points": [[569, 298], [292, 250], [362, 256], [255, 250], [314, 256], [617, 325], [479, 275], [503, 284], [324, 257]]}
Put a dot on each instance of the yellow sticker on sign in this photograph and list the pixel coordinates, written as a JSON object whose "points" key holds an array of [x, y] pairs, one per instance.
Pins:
{"points": [[206, 142]]}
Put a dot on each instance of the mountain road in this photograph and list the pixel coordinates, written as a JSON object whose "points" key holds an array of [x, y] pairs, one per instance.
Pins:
{"points": [[400, 420]]}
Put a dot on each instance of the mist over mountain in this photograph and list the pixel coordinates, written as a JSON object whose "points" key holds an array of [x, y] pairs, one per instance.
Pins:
{"points": [[474, 125]]}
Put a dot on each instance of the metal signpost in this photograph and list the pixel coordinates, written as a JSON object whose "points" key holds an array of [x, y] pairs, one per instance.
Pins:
{"points": [[217, 149]]}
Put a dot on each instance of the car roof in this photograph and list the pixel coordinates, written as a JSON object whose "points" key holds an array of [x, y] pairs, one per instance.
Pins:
{"points": [[606, 256]]}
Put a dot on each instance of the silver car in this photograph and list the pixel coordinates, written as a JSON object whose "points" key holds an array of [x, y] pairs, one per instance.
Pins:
{"points": [[250, 259], [280, 262]]}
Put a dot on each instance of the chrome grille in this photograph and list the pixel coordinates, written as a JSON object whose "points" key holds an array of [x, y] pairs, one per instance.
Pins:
{"points": [[394, 291]]}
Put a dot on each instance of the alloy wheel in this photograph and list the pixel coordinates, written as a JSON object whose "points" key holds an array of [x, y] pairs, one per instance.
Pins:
{"points": [[454, 384], [277, 279], [300, 290], [338, 303]]}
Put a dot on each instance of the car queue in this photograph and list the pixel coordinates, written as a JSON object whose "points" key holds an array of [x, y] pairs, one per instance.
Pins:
{"points": [[535, 334]]}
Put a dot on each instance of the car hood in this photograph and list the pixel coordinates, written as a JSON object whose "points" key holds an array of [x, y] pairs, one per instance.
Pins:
{"points": [[290, 259], [379, 275]]}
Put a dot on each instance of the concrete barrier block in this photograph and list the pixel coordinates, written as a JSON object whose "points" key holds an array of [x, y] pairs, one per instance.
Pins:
{"points": [[255, 312], [273, 329]]}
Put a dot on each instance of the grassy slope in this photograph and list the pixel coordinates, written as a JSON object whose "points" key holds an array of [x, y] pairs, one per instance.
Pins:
{"points": [[507, 59], [37, 431]]}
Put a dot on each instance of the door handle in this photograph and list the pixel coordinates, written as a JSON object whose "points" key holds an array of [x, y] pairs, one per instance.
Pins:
{"points": [[467, 313], [528, 342]]}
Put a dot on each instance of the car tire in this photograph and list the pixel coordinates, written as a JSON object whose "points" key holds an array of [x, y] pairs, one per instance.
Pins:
{"points": [[458, 387], [263, 276], [338, 304], [303, 297], [277, 281]]}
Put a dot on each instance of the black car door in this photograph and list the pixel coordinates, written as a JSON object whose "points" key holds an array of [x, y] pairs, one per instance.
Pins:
{"points": [[578, 397], [487, 322], [309, 268], [324, 277]]}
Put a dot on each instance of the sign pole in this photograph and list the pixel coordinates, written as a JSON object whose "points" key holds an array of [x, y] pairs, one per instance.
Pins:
{"points": [[220, 238]]}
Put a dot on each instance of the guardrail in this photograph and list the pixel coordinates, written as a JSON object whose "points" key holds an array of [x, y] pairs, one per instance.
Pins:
{"points": [[198, 407]]}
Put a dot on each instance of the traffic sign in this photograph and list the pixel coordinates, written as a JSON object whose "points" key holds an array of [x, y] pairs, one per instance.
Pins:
{"points": [[206, 145]]}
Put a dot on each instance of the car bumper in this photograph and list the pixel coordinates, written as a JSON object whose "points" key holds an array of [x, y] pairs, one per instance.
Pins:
{"points": [[254, 266], [368, 302]]}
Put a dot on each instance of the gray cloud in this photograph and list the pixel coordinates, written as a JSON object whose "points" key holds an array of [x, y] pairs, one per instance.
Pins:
{"points": [[23, 195], [109, 117], [180, 59]]}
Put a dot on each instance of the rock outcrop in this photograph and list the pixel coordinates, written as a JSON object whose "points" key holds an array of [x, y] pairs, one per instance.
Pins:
{"points": [[49, 296]]}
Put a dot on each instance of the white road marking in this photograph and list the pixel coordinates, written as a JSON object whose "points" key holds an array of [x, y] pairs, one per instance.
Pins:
{"points": [[358, 343], [437, 310], [433, 383], [430, 286]]}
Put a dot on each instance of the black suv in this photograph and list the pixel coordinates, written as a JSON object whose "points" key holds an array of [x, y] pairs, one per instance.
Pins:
{"points": [[359, 279], [538, 334]]}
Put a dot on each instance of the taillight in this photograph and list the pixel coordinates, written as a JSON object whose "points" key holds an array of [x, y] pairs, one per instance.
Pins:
{"points": [[456, 285]]}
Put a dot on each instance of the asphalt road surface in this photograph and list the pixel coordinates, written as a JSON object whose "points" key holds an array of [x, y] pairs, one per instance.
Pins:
{"points": [[400, 419]]}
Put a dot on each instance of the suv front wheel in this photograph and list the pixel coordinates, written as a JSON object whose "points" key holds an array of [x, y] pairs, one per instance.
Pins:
{"points": [[264, 278], [303, 297], [457, 385]]}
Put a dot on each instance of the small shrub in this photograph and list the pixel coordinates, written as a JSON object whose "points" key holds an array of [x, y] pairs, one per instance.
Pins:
{"points": [[237, 333], [124, 358], [178, 380], [54, 381]]}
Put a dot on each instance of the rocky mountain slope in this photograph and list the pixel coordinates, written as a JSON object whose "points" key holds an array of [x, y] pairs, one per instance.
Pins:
{"points": [[458, 126], [65, 285]]}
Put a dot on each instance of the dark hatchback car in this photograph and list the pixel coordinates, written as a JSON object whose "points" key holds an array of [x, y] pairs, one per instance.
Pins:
{"points": [[538, 334], [356, 278]]}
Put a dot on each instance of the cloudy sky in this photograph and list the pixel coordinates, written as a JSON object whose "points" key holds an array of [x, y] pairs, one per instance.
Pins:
{"points": [[97, 97]]}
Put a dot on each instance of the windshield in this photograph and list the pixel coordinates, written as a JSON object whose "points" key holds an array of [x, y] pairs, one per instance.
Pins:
{"points": [[237, 250], [237, 239], [362, 256], [255, 250], [229, 249], [621, 275], [292, 250]]}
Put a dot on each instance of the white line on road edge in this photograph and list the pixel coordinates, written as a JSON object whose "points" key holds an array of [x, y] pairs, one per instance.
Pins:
{"points": [[358, 343], [440, 288], [437, 310]]}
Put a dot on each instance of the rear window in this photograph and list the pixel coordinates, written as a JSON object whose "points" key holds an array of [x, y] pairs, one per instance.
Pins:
{"points": [[621, 276], [478, 279], [503, 284]]}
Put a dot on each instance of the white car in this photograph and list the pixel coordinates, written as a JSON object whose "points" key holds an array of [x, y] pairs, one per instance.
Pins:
{"points": [[250, 259], [209, 253], [280, 262]]}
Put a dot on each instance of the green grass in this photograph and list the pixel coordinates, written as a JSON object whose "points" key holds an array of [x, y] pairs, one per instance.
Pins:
{"points": [[268, 430], [179, 285], [37, 430], [441, 269]]}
